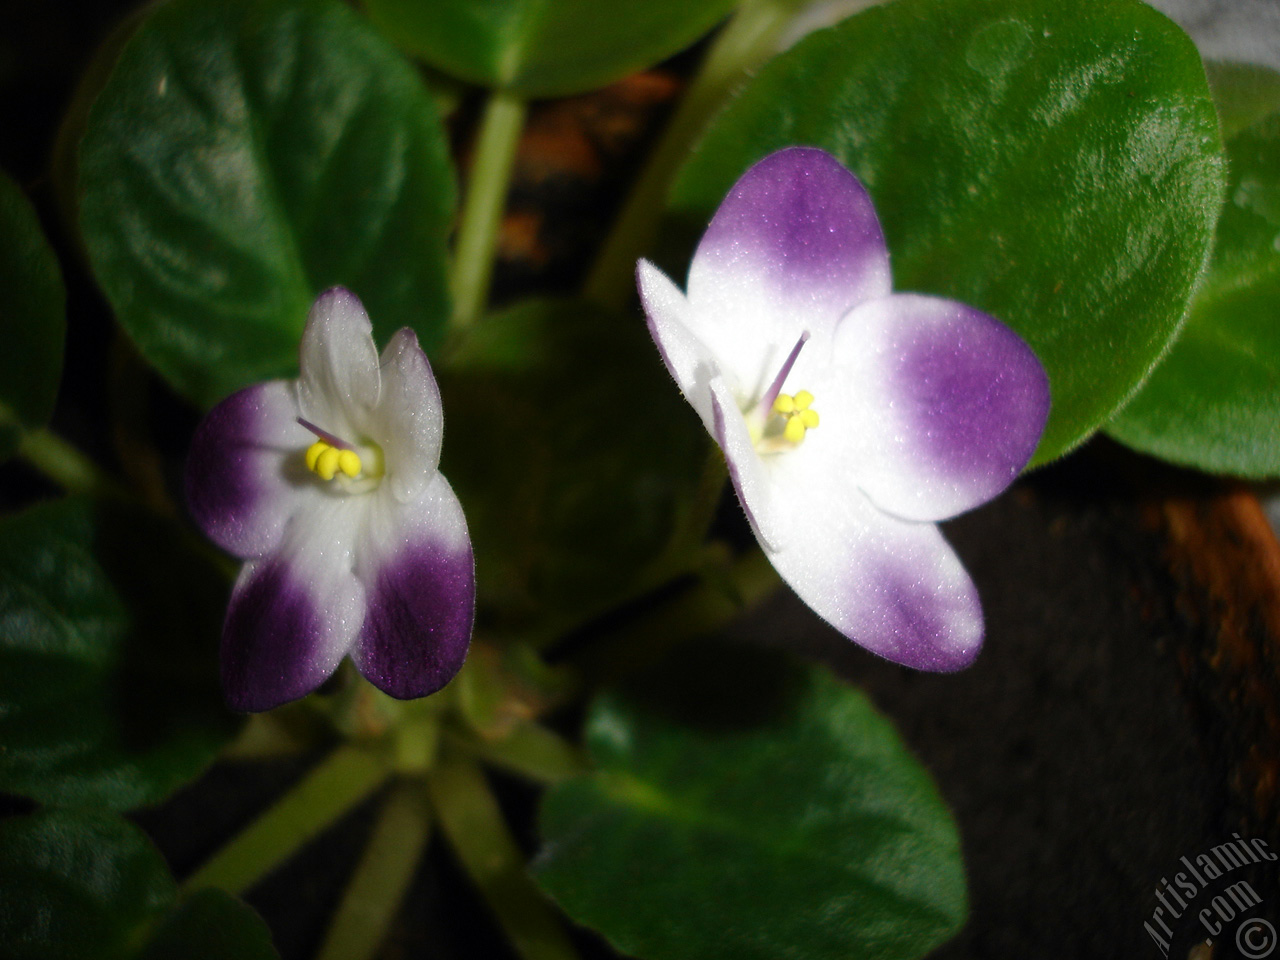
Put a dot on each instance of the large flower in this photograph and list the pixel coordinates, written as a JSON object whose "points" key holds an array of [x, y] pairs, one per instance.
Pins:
{"points": [[927, 407], [354, 543]]}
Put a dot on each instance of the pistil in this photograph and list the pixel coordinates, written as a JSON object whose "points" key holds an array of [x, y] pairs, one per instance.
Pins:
{"points": [[775, 388]]}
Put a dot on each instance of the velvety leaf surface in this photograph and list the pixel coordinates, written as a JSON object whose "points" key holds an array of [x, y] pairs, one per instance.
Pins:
{"points": [[741, 811], [572, 453], [212, 925], [77, 885], [32, 318], [108, 657], [545, 47], [245, 155], [1055, 164], [1214, 403]]}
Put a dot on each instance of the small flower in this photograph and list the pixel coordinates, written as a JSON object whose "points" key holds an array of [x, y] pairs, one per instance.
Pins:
{"points": [[353, 542], [851, 418]]}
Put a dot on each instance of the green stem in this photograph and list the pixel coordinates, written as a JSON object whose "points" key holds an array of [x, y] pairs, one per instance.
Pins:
{"points": [[530, 750], [487, 187], [66, 466], [469, 816], [334, 786], [381, 879], [743, 44]]}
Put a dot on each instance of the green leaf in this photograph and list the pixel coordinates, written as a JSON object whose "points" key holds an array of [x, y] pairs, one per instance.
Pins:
{"points": [[741, 811], [212, 925], [32, 318], [544, 48], [1214, 403], [76, 885], [571, 452], [1244, 93], [1055, 164], [245, 155], [108, 670]]}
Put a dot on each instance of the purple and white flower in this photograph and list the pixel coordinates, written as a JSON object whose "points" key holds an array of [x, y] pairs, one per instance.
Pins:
{"points": [[328, 488], [852, 418]]}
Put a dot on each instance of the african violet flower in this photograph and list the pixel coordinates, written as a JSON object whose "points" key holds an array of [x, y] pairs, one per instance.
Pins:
{"points": [[354, 543], [852, 418]]}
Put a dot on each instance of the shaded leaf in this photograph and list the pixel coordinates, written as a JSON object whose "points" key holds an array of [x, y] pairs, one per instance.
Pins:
{"points": [[108, 669], [77, 886], [571, 452], [742, 810], [245, 155], [543, 48], [1214, 403], [32, 318]]}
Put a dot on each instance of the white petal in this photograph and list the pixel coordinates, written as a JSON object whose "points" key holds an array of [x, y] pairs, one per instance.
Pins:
{"points": [[792, 248], [895, 587], [245, 476], [751, 479], [670, 324], [409, 422], [339, 382], [294, 615], [932, 405]]}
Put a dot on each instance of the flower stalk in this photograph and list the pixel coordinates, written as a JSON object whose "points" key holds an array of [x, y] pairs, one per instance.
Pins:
{"points": [[340, 782], [470, 817], [487, 187], [381, 879], [745, 42]]}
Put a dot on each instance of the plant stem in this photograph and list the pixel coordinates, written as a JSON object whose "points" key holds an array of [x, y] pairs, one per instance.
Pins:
{"points": [[67, 466], [377, 888], [333, 787], [530, 750], [744, 43], [487, 186], [468, 813]]}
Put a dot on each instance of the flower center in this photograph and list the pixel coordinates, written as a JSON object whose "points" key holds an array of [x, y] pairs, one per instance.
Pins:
{"points": [[356, 470], [797, 413], [780, 420]]}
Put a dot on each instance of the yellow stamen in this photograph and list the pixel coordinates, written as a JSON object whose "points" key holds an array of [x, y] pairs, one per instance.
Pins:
{"points": [[797, 415], [794, 430], [349, 462], [327, 463], [313, 453]]}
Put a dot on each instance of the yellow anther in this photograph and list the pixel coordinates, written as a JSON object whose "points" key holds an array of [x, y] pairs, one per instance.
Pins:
{"points": [[349, 462], [327, 463], [784, 404], [809, 418], [794, 430], [313, 453], [803, 399]]}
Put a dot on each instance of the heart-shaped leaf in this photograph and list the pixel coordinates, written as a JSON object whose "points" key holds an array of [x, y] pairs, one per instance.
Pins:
{"points": [[572, 455], [211, 925], [77, 885], [1214, 403], [735, 815], [1055, 164], [243, 156], [32, 318], [543, 48], [81, 885], [108, 666]]}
